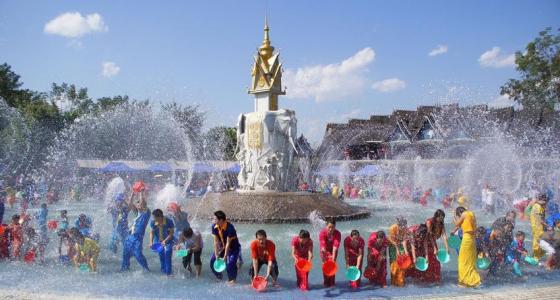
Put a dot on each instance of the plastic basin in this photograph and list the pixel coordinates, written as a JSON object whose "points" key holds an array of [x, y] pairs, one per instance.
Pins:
{"points": [[182, 253], [421, 264], [443, 256], [219, 265], [353, 273], [259, 283], [454, 242], [29, 257], [138, 186], [404, 261], [157, 247], [483, 263], [303, 265], [329, 268], [52, 224], [531, 260], [84, 267]]}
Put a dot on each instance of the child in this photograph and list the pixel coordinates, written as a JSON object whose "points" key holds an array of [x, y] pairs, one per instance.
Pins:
{"points": [[482, 241], [15, 232], [192, 241], [87, 250], [65, 238], [516, 249], [64, 219]]}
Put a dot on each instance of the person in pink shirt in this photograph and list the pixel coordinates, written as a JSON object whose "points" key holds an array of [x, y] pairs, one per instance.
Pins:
{"points": [[354, 252], [302, 248], [377, 258], [329, 241]]}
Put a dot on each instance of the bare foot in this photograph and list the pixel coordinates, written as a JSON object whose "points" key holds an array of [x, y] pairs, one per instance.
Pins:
{"points": [[231, 282]]}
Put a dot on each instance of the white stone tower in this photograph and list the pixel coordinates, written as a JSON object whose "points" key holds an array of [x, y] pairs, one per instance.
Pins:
{"points": [[266, 137]]}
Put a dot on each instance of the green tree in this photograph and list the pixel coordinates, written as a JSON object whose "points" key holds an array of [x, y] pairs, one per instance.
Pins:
{"points": [[107, 103], [220, 143], [191, 119], [539, 65]]}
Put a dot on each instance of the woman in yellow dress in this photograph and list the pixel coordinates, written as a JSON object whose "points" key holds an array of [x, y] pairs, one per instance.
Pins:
{"points": [[399, 237], [468, 276], [537, 224]]}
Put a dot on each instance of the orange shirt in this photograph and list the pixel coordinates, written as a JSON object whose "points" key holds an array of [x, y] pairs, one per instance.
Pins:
{"points": [[264, 252]]}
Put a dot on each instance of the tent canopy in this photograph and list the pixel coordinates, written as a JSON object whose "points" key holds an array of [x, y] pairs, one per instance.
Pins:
{"points": [[204, 168], [369, 170], [116, 167], [160, 167]]}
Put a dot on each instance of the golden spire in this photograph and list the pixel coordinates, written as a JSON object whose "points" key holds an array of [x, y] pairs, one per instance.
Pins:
{"points": [[266, 49]]}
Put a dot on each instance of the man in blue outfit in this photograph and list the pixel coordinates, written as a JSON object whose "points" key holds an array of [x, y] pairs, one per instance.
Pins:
{"points": [[226, 246], [162, 232], [133, 242], [119, 212]]}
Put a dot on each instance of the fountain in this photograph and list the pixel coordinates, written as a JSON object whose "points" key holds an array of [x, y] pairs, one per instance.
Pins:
{"points": [[269, 159]]}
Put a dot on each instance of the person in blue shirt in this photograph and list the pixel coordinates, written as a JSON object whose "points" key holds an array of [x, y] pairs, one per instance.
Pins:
{"points": [[119, 212], [42, 221], [516, 250], [226, 246], [133, 242], [162, 232]]}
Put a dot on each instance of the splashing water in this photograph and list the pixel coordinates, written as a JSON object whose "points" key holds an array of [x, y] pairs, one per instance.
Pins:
{"points": [[115, 187], [169, 193]]}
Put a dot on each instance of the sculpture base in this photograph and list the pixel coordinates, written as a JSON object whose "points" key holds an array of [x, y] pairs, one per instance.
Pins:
{"points": [[273, 207]]}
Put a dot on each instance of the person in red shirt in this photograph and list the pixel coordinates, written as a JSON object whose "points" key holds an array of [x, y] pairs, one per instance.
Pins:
{"points": [[377, 258], [354, 252], [329, 241], [420, 249], [263, 253], [302, 248]]}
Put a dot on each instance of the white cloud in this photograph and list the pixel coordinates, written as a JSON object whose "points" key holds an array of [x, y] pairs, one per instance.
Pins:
{"points": [[492, 58], [389, 85], [328, 82], [502, 101], [440, 49], [110, 69], [351, 114], [73, 25]]}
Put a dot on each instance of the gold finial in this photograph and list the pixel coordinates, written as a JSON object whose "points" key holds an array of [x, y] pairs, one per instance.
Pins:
{"points": [[266, 49]]}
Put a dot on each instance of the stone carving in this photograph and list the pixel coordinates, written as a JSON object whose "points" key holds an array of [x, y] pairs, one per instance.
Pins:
{"points": [[266, 150]]}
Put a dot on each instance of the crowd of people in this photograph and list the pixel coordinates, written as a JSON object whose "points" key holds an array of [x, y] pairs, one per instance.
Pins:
{"points": [[400, 251]]}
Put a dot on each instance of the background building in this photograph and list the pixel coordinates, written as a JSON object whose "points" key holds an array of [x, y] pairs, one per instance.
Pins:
{"points": [[442, 131]]}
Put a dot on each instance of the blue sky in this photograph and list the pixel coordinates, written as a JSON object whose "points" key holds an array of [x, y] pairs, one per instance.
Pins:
{"points": [[342, 59]]}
